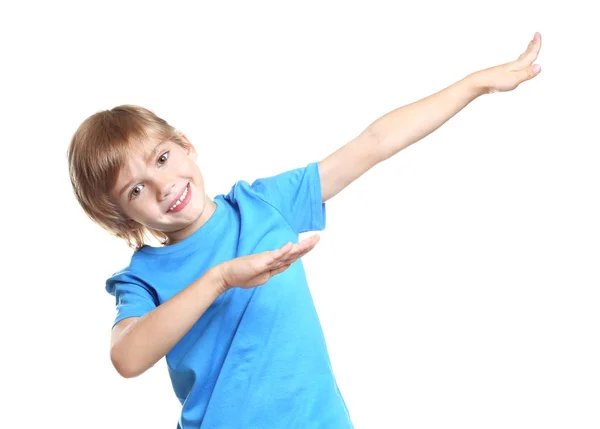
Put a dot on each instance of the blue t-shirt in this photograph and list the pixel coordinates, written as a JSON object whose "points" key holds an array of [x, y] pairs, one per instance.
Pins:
{"points": [[257, 357]]}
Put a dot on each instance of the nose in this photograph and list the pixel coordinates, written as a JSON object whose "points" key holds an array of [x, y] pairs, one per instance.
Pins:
{"points": [[165, 189]]}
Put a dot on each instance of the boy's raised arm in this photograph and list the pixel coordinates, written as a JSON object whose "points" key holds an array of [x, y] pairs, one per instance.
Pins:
{"points": [[406, 125]]}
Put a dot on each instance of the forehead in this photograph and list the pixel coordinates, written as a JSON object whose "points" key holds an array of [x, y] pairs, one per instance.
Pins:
{"points": [[139, 149]]}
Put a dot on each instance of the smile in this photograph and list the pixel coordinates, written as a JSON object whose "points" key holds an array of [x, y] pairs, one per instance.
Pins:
{"points": [[182, 201]]}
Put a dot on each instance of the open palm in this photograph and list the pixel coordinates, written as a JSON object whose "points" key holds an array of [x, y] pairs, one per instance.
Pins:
{"points": [[256, 269], [507, 77]]}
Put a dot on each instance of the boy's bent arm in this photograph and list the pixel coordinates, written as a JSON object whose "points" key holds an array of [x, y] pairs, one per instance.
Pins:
{"points": [[137, 343]]}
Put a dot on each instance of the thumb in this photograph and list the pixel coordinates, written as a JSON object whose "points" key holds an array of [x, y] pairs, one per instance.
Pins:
{"points": [[531, 71]]}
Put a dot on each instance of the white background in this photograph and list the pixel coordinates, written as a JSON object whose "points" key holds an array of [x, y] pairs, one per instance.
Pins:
{"points": [[457, 283]]}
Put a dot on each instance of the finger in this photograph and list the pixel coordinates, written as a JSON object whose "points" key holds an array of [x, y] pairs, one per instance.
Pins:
{"points": [[532, 51], [300, 252], [530, 72], [299, 249], [298, 256], [279, 270], [286, 248], [275, 256], [312, 240], [304, 245], [289, 250]]}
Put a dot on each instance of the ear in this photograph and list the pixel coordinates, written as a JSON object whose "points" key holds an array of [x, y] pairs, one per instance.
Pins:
{"points": [[189, 147]]}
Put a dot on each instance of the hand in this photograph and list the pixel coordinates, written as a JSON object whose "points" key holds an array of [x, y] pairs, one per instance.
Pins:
{"points": [[254, 270], [507, 77]]}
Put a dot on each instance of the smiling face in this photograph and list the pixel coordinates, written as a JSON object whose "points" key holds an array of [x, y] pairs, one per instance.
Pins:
{"points": [[161, 187]]}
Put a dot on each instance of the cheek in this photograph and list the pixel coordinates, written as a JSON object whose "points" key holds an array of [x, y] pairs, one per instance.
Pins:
{"points": [[134, 214], [200, 181], [140, 210], [197, 177]]}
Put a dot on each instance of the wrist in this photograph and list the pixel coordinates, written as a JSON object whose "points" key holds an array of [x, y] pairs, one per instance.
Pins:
{"points": [[477, 82], [215, 276]]}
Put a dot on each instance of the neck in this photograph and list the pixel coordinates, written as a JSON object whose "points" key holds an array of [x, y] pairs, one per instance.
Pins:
{"points": [[176, 236]]}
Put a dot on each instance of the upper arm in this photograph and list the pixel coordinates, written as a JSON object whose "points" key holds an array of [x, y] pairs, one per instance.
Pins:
{"points": [[133, 300], [347, 164], [119, 330]]}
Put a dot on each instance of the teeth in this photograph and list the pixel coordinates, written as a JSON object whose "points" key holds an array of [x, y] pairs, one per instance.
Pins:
{"points": [[179, 201]]}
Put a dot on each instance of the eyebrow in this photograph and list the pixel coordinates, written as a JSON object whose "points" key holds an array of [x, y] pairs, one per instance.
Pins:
{"points": [[148, 160], [153, 153]]}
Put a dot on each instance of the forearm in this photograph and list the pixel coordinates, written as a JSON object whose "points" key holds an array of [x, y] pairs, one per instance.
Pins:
{"points": [[406, 125], [156, 333]]}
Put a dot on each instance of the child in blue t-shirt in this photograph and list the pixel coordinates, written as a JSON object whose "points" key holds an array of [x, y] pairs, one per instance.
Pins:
{"points": [[239, 355]]}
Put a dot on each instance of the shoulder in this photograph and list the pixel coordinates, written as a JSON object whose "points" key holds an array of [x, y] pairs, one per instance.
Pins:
{"points": [[132, 274], [282, 183]]}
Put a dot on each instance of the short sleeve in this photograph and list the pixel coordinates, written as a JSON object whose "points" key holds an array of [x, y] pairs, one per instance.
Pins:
{"points": [[132, 300], [296, 194]]}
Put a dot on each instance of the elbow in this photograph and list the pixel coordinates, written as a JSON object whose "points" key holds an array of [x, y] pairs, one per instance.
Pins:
{"points": [[124, 365]]}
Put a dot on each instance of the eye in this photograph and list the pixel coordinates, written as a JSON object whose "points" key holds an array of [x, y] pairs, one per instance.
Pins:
{"points": [[135, 191], [163, 158]]}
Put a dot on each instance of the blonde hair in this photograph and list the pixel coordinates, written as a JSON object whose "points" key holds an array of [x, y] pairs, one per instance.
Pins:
{"points": [[97, 153]]}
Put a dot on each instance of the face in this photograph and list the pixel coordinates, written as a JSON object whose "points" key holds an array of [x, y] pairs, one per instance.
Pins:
{"points": [[160, 186]]}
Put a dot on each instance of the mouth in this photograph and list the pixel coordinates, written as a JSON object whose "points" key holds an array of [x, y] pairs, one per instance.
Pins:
{"points": [[181, 201]]}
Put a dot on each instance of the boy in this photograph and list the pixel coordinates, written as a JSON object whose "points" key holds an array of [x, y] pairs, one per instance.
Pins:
{"points": [[239, 356]]}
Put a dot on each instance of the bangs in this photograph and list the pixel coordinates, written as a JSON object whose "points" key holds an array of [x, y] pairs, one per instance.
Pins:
{"points": [[100, 149], [116, 135]]}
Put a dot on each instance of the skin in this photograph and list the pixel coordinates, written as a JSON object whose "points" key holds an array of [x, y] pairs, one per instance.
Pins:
{"points": [[406, 125], [152, 178], [138, 343]]}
